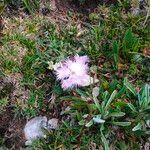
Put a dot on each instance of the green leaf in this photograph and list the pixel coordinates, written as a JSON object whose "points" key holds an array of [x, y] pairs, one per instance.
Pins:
{"points": [[132, 107], [137, 127], [105, 143], [119, 104], [121, 92], [92, 107], [82, 122], [130, 43], [78, 105], [116, 114], [104, 97], [123, 124], [147, 132], [129, 86], [112, 96], [81, 93], [76, 102], [147, 95], [144, 97], [113, 85], [71, 98], [78, 115], [57, 90], [97, 104]]}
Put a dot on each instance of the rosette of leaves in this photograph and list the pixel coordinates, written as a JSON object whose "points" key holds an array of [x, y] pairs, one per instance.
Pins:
{"points": [[140, 108], [102, 109]]}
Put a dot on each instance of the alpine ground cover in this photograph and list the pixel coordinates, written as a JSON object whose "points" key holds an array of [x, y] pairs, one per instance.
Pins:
{"points": [[111, 113]]}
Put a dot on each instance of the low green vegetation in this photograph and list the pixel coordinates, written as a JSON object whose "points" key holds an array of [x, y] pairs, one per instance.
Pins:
{"points": [[111, 114]]}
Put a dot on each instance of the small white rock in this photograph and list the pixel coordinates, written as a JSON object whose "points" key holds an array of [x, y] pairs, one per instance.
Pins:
{"points": [[34, 128], [98, 119], [53, 123]]}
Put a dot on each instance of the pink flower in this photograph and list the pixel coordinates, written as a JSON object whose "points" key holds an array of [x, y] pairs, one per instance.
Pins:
{"points": [[73, 71]]}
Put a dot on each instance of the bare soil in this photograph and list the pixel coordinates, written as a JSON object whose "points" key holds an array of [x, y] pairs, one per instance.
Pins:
{"points": [[11, 129]]}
